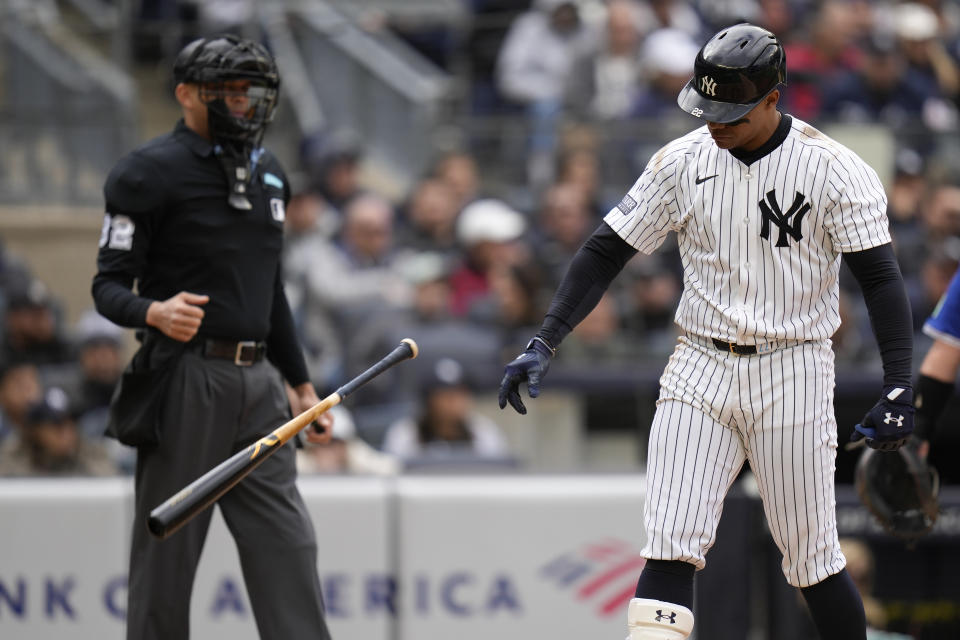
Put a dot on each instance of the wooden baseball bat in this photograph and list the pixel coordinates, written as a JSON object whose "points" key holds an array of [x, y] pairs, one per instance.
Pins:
{"points": [[180, 508]]}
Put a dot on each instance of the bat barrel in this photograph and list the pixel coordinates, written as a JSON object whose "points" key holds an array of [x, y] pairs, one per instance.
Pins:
{"points": [[180, 508]]}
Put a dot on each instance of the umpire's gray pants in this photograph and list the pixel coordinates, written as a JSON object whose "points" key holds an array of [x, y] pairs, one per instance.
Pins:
{"points": [[213, 409]]}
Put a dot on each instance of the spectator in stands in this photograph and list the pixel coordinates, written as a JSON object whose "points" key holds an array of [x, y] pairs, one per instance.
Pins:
{"points": [[604, 81], [533, 68], [332, 160], [880, 90], [564, 223], [51, 444], [820, 55], [446, 427], [429, 221], [31, 326], [579, 165], [366, 239], [337, 284], [90, 385], [346, 453], [20, 387], [489, 231], [668, 56], [918, 33], [459, 171], [940, 212]]}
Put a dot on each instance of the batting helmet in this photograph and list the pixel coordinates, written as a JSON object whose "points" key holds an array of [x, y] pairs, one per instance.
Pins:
{"points": [[734, 71], [212, 62]]}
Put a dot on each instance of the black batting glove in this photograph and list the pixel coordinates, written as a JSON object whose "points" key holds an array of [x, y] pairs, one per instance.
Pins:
{"points": [[530, 367], [889, 423]]}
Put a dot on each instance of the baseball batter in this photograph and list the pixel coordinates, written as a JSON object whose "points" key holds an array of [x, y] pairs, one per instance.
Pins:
{"points": [[763, 206]]}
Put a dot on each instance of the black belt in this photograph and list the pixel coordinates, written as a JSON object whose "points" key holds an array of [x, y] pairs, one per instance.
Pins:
{"points": [[243, 352], [739, 349]]}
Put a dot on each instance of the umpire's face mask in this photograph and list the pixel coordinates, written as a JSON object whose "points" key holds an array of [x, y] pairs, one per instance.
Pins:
{"points": [[237, 115]]}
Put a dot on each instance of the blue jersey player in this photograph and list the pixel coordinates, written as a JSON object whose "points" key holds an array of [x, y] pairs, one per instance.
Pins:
{"points": [[938, 371]]}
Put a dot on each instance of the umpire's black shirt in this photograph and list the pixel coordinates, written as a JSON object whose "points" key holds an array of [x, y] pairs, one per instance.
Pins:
{"points": [[169, 228]]}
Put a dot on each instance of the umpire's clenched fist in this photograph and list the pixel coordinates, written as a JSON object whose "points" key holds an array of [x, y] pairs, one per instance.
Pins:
{"points": [[178, 317], [530, 367], [889, 423]]}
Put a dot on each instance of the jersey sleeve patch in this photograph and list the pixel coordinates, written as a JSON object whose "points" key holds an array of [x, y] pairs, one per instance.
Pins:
{"points": [[277, 210], [627, 205], [272, 180], [117, 232]]}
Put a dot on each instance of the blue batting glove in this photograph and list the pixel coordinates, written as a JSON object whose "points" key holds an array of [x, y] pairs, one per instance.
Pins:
{"points": [[530, 367], [889, 423]]}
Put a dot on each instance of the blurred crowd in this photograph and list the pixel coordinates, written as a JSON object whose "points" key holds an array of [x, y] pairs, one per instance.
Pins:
{"points": [[55, 382], [468, 271]]}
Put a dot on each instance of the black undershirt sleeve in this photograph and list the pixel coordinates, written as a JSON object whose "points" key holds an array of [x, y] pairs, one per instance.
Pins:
{"points": [[930, 397], [135, 196], [283, 347], [591, 271], [879, 276], [115, 300]]}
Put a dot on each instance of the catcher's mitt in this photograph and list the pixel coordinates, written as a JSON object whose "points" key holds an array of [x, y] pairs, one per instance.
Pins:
{"points": [[900, 489]]}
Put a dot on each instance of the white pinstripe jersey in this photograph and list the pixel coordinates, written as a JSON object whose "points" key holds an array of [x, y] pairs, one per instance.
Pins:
{"points": [[760, 244]]}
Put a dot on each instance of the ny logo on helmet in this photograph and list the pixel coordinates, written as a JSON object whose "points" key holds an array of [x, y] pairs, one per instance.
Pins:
{"points": [[661, 616], [708, 86], [890, 419]]}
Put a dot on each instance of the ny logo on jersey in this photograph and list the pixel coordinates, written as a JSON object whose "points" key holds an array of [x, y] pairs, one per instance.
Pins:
{"points": [[708, 86], [661, 616], [770, 209], [890, 418]]}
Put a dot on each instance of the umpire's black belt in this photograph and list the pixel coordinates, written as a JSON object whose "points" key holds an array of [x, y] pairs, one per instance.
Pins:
{"points": [[243, 353]]}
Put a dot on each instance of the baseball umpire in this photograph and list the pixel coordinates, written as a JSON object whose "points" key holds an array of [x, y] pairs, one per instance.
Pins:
{"points": [[194, 218], [763, 206]]}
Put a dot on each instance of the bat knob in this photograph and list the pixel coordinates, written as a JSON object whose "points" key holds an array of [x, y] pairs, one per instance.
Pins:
{"points": [[414, 349]]}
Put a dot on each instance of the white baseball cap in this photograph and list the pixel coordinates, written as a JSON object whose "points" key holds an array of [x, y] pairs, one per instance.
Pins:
{"points": [[489, 220], [670, 51], [915, 21]]}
